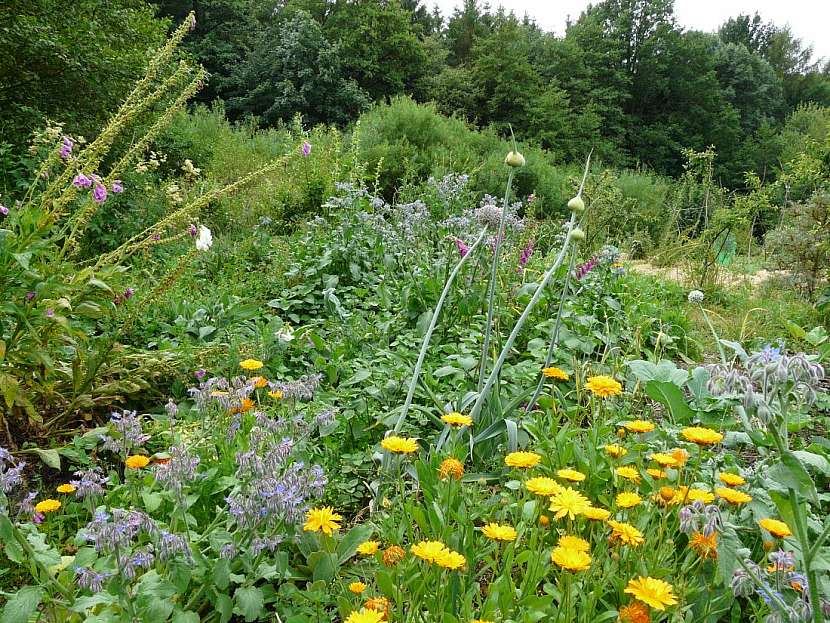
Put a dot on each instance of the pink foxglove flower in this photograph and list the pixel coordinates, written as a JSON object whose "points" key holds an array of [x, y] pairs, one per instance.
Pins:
{"points": [[82, 181], [306, 149], [99, 193], [117, 187]]}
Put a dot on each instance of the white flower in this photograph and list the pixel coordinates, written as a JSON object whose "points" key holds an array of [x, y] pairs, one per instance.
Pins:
{"points": [[695, 296], [205, 239], [286, 334]]}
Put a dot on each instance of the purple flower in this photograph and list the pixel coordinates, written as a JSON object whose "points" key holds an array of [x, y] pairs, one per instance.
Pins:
{"points": [[128, 425], [89, 482], [463, 249], [66, 148], [193, 232], [526, 253], [200, 374], [82, 181], [179, 470], [306, 149], [584, 269], [4, 210], [99, 193], [156, 236], [27, 506], [128, 293], [117, 187], [531, 198], [30, 296], [50, 313]]}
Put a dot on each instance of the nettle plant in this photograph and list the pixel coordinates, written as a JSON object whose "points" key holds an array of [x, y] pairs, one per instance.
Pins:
{"points": [[62, 314], [205, 528]]}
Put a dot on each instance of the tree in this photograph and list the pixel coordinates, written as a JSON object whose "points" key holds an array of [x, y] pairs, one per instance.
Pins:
{"points": [[294, 69]]}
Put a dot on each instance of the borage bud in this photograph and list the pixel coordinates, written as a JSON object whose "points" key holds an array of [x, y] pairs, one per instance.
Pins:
{"points": [[576, 204], [514, 159]]}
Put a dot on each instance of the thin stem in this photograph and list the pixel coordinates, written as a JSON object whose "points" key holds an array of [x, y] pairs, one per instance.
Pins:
{"points": [[554, 336], [491, 293], [715, 335], [422, 354]]}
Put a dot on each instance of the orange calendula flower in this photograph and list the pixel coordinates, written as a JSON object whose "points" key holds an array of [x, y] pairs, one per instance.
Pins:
{"points": [[498, 532], [357, 587], [705, 546], [544, 486], [574, 542], [367, 548], [680, 455], [627, 472], [571, 474], [597, 514], [775, 527], [731, 480], [628, 499], [380, 604], [635, 612], [66, 488], [522, 460], [392, 555], [701, 436], [733, 496], [664, 460], [570, 559], [456, 419], [137, 461], [47, 506], [322, 519], [639, 426], [399, 445], [568, 502], [653, 592], [451, 468], [259, 382], [246, 405], [625, 533], [615, 450], [544, 520], [555, 373], [251, 364], [603, 386], [657, 474]]}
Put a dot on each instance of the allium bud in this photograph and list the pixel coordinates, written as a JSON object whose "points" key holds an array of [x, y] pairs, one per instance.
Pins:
{"points": [[514, 159], [695, 296], [576, 204], [577, 234]]}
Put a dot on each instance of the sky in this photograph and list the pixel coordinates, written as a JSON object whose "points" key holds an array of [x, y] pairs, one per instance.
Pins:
{"points": [[808, 19]]}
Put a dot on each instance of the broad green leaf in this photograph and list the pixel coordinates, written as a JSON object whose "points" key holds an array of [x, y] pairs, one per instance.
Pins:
{"points": [[354, 537], [49, 456], [671, 396], [224, 606], [813, 460], [728, 545], [248, 602], [185, 617], [358, 377], [22, 605]]}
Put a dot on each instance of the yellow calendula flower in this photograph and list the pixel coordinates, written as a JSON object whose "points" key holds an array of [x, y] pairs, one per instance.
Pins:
{"points": [[574, 542], [251, 364], [259, 382], [522, 460], [625, 533], [399, 445], [47, 506], [685, 495], [628, 472], [456, 419], [137, 461], [276, 394], [701, 436], [628, 499], [657, 474], [570, 559], [66, 488], [322, 519], [571, 475], [597, 514], [775, 527], [481, 621], [357, 587], [639, 426], [615, 450], [451, 560], [705, 546], [603, 386], [499, 532], [555, 373], [366, 616], [680, 455], [429, 551], [655, 593], [733, 496], [568, 502], [544, 486], [451, 468], [731, 480], [392, 555], [367, 548], [664, 460]]}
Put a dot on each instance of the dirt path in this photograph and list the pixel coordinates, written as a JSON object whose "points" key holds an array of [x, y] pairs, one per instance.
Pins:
{"points": [[728, 278]]}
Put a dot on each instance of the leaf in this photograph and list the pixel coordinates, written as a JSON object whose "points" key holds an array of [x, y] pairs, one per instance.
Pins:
{"points": [[728, 545], [49, 456], [11, 547], [221, 574], [813, 460], [323, 565], [97, 283], [152, 500], [671, 396], [185, 617], [358, 377], [224, 606], [447, 371], [354, 537], [249, 601], [10, 387], [698, 384], [22, 605], [423, 323], [791, 474]]}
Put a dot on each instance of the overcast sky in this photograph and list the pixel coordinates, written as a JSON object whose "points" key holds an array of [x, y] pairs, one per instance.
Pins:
{"points": [[808, 19]]}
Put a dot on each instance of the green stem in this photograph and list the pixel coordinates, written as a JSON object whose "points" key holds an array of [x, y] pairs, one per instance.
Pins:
{"points": [[491, 293], [715, 335], [30, 553], [422, 354]]}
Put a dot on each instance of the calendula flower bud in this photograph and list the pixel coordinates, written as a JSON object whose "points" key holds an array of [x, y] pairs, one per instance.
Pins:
{"points": [[576, 204], [577, 234], [514, 159]]}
